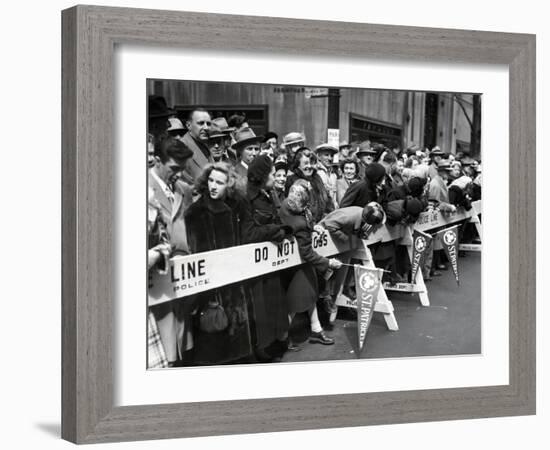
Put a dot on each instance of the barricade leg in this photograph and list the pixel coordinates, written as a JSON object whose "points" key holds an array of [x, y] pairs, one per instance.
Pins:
{"points": [[477, 223], [383, 304], [416, 286], [337, 285]]}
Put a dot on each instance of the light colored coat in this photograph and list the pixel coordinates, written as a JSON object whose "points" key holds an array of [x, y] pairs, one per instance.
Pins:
{"points": [[172, 318], [195, 166]]}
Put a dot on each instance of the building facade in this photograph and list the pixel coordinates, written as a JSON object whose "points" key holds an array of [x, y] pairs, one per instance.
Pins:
{"points": [[394, 118]]}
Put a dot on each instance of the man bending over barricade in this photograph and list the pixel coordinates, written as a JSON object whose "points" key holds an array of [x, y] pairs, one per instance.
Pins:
{"points": [[342, 224]]}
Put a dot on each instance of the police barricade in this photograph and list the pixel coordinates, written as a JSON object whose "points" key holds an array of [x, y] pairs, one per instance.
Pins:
{"points": [[427, 221], [191, 274]]}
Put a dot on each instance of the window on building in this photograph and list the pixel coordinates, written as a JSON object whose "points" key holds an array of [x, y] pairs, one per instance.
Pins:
{"points": [[363, 128]]}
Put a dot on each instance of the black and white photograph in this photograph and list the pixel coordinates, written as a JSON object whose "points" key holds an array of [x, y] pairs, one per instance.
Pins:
{"points": [[293, 223]]}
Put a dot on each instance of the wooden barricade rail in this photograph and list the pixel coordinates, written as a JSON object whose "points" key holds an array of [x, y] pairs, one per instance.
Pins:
{"points": [[192, 274]]}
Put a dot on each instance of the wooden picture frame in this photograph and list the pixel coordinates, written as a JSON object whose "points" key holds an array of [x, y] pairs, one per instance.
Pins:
{"points": [[90, 34]]}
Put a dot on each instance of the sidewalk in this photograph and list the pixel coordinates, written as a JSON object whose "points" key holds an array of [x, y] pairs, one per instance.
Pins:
{"points": [[451, 325]]}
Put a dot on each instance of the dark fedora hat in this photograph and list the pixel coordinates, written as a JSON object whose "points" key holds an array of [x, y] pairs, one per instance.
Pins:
{"points": [[157, 107], [345, 144], [365, 149], [244, 137]]}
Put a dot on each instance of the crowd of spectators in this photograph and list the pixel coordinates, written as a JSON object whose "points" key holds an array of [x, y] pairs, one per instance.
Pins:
{"points": [[214, 183]]}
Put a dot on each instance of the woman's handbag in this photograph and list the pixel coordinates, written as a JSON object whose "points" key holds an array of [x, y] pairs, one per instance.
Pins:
{"points": [[213, 318]]}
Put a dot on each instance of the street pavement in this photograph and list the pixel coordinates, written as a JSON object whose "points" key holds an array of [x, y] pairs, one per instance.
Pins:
{"points": [[451, 325]]}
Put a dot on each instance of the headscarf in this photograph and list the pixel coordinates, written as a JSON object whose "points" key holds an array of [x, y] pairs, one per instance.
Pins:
{"points": [[298, 200]]}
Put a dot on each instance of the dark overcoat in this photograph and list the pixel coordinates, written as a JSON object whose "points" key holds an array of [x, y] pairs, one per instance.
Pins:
{"points": [[360, 194], [268, 309], [215, 224], [303, 289]]}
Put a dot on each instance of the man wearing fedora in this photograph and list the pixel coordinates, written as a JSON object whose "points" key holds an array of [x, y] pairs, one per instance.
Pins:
{"points": [[196, 138], [436, 155], [291, 143], [247, 147], [325, 155], [219, 142], [366, 155], [158, 115], [176, 128], [344, 150]]}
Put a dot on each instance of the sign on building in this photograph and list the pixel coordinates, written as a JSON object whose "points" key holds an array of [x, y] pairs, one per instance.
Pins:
{"points": [[315, 92], [333, 137]]}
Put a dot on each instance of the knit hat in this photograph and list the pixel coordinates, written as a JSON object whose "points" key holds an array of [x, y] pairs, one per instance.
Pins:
{"points": [[374, 172], [413, 207], [456, 195], [260, 167], [416, 186]]}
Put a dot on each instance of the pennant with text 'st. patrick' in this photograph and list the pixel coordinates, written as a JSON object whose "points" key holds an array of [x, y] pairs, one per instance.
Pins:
{"points": [[367, 284], [421, 242], [449, 239]]}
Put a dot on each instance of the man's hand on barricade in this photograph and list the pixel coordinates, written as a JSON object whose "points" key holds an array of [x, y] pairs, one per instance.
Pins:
{"points": [[318, 229], [158, 253]]}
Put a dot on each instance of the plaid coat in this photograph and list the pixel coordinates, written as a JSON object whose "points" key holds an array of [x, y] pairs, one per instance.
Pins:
{"points": [[156, 357]]}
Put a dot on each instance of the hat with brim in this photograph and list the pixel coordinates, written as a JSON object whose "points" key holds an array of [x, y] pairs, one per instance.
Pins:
{"points": [[327, 148], [444, 165], [293, 138], [344, 144], [366, 151], [221, 124], [436, 151], [157, 107], [219, 128], [175, 124], [245, 137]]}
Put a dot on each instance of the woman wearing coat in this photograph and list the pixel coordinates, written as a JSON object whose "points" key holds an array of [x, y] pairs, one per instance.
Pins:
{"points": [[303, 289], [268, 309], [350, 170], [217, 220]]}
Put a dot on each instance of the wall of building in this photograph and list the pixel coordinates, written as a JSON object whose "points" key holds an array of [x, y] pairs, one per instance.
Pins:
{"points": [[290, 109]]}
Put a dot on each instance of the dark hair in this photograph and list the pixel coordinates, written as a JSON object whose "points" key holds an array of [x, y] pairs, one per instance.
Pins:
{"points": [[410, 159], [170, 147], [201, 183], [194, 110], [302, 151], [269, 135], [350, 161], [236, 120], [389, 157]]}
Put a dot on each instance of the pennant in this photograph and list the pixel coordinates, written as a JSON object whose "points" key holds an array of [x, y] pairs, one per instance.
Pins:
{"points": [[449, 239], [421, 242], [367, 284]]}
